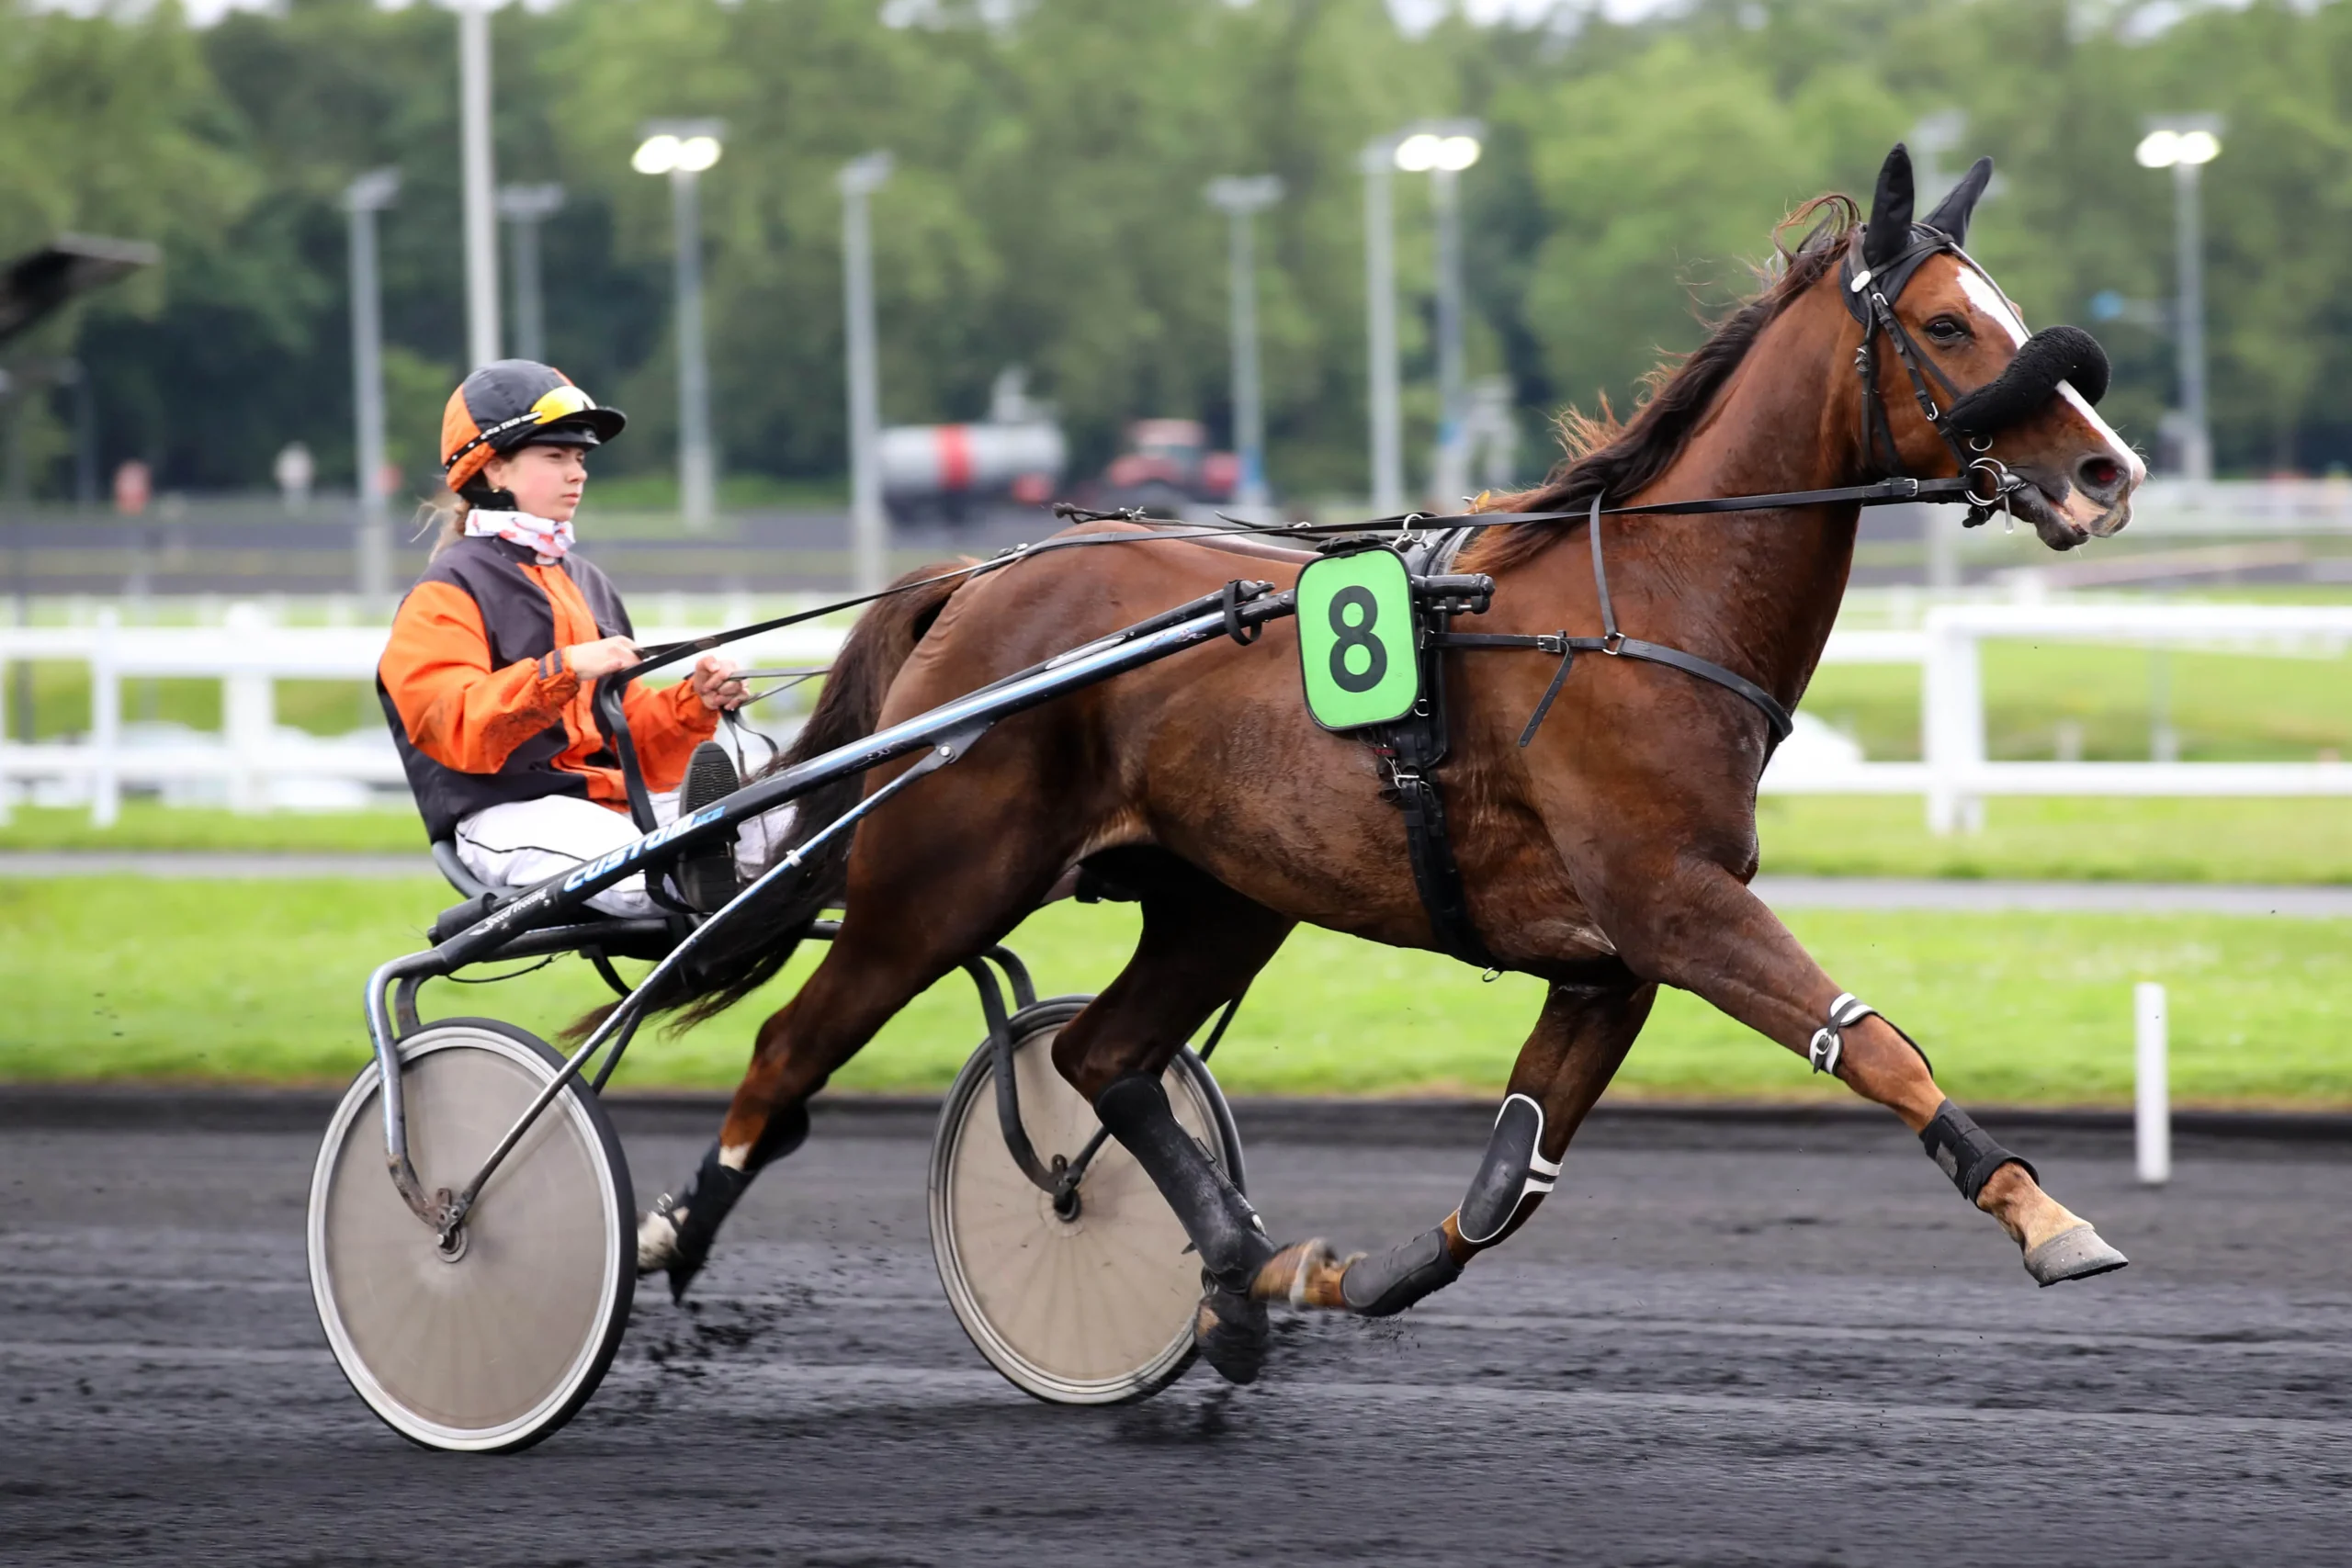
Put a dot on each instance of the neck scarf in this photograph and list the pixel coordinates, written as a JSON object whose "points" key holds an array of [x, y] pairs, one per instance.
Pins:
{"points": [[551, 540]]}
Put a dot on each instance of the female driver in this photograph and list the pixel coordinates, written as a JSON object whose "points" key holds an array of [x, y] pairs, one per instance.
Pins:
{"points": [[487, 679]]}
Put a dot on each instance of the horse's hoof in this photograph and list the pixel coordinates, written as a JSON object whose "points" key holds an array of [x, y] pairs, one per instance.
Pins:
{"points": [[2075, 1253], [1304, 1274], [1230, 1332], [663, 1247]]}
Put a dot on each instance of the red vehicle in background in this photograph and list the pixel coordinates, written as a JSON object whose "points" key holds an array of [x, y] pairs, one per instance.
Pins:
{"points": [[1168, 464]]}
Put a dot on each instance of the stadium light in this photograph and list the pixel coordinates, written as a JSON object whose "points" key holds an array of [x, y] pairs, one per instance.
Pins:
{"points": [[365, 198], [2184, 144], [525, 207], [1442, 148], [1240, 198], [869, 524], [685, 150], [2165, 148]]}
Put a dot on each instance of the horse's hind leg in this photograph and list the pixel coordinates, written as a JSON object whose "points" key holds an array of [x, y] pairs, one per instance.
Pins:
{"points": [[1202, 943], [928, 889], [1578, 1043]]}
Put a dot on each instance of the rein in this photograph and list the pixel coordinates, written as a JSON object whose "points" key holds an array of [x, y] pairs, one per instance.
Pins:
{"points": [[1892, 492], [1966, 421]]}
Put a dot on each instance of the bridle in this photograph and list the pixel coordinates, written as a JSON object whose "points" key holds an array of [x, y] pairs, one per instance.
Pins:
{"points": [[1870, 294], [1967, 422]]}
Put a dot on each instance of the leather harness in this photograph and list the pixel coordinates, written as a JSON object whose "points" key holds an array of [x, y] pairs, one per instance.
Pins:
{"points": [[1410, 750]]}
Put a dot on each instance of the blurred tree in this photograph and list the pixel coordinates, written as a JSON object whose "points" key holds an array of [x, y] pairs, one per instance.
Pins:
{"points": [[1047, 208]]}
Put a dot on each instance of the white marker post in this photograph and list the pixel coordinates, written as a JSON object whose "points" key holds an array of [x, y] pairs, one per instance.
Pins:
{"points": [[2153, 1123]]}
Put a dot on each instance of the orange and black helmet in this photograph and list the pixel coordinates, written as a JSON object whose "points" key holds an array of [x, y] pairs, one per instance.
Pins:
{"points": [[512, 403]]}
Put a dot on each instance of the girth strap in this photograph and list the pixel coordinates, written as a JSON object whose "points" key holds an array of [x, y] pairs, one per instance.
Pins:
{"points": [[1409, 750], [1436, 877]]}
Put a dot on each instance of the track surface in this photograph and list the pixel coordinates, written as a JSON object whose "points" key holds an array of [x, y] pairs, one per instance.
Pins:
{"points": [[1716, 1344]]}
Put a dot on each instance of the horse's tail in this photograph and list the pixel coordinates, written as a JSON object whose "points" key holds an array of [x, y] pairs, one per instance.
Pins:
{"points": [[756, 943]]}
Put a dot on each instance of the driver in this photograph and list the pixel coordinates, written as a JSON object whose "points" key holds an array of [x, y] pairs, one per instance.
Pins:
{"points": [[487, 677]]}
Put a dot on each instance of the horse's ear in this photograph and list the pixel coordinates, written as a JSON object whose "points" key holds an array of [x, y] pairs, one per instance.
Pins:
{"points": [[1952, 213], [1889, 233]]}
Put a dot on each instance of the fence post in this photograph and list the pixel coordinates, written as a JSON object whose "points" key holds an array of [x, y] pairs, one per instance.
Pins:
{"points": [[2152, 1121], [106, 719], [249, 710], [1951, 724]]}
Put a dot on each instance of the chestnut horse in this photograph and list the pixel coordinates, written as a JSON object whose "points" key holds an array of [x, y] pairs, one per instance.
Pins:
{"points": [[1611, 856]]}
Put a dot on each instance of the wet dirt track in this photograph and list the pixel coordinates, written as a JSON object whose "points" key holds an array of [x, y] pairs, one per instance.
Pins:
{"points": [[1717, 1344]]}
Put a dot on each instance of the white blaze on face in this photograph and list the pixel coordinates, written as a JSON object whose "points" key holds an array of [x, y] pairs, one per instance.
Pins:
{"points": [[1990, 303]]}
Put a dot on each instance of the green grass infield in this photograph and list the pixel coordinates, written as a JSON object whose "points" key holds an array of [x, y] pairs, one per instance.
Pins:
{"points": [[259, 982], [2105, 840]]}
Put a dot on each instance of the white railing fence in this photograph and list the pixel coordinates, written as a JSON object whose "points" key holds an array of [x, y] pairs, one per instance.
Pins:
{"points": [[263, 763]]}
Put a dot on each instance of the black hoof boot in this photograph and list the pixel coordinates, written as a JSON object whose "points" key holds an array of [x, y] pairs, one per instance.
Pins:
{"points": [[1230, 1331], [671, 1240], [1385, 1284]]}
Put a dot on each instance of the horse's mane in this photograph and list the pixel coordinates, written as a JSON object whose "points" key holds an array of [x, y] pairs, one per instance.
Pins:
{"points": [[1607, 458]]}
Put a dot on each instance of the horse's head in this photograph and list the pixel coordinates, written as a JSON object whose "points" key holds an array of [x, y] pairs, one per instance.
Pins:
{"points": [[2011, 410]]}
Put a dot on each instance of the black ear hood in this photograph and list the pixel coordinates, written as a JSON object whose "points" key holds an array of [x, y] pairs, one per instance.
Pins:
{"points": [[1888, 234], [1893, 246], [1952, 213]]}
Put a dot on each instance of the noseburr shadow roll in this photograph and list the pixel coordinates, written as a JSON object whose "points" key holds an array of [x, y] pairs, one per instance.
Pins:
{"points": [[2049, 357]]}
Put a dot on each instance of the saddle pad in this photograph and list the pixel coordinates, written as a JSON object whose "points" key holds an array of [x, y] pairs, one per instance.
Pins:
{"points": [[1359, 659]]}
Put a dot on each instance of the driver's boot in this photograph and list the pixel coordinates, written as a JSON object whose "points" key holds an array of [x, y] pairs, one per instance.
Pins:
{"points": [[706, 878]]}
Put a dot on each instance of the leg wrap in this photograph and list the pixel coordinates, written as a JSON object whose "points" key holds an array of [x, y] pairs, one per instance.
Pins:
{"points": [[1387, 1283], [692, 1218], [1966, 1151], [1828, 1044], [1225, 1229], [1513, 1172]]}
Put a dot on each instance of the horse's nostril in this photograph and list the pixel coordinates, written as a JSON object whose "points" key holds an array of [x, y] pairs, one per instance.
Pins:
{"points": [[2099, 474]]}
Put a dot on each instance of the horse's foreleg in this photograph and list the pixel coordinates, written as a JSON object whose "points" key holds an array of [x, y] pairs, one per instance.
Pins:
{"points": [[1578, 1041], [1700, 929]]}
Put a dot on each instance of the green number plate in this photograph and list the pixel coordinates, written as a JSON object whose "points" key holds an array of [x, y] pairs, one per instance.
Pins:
{"points": [[1355, 639]]}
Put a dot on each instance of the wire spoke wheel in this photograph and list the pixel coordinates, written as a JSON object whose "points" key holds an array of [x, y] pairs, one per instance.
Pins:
{"points": [[496, 1343], [1095, 1308]]}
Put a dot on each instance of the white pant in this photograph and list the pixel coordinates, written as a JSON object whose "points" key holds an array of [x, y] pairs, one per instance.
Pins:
{"points": [[526, 841]]}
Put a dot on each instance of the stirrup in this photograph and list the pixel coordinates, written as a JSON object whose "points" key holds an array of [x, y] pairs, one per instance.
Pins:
{"points": [[707, 880]]}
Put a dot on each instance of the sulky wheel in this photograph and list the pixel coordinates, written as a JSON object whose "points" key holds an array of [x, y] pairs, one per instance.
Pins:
{"points": [[495, 1347], [1094, 1308]]}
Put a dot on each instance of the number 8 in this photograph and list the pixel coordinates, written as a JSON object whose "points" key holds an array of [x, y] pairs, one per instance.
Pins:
{"points": [[1357, 635]]}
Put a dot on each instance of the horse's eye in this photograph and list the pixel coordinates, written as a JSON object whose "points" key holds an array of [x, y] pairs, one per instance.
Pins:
{"points": [[1947, 329]]}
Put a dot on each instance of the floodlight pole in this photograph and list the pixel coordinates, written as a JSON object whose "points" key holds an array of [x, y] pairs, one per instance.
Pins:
{"points": [[525, 207], [2184, 143], [1452, 467], [2197, 457], [372, 547], [1240, 199], [1381, 373], [697, 479], [1442, 148], [474, 156], [869, 527], [683, 148]]}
